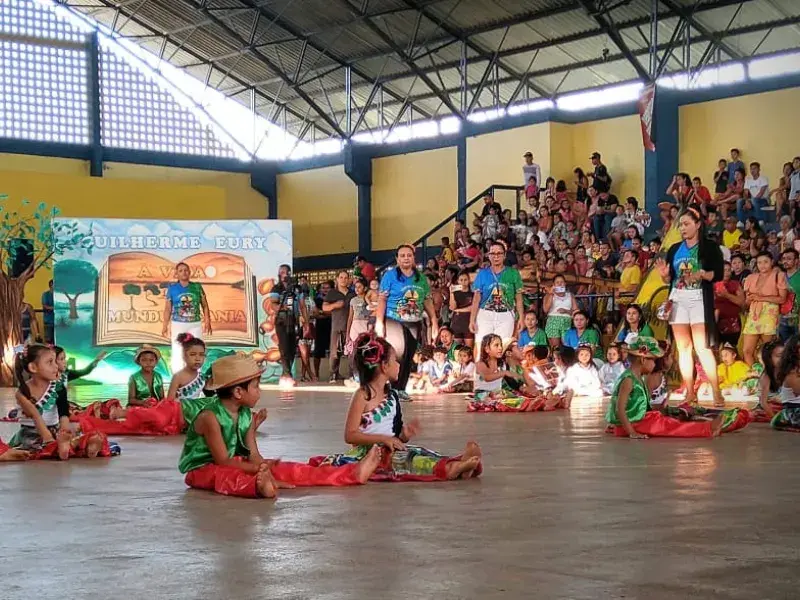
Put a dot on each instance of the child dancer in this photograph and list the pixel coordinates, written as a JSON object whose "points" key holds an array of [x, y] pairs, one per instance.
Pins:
{"points": [[220, 453], [44, 426], [146, 383], [629, 413], [611, 371], [583, 378], [769, 386], [788, 418], [375, 417], [189, 384], [148, 412]]}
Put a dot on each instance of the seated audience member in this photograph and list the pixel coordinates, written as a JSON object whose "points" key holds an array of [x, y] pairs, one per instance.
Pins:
{"points": [[738, 270], [781, 193], [631, 275], [714, 225], [786, 234], [681, 189], [701, 192], [531, 190], [735, 192], [755, 195], [732, 235]]}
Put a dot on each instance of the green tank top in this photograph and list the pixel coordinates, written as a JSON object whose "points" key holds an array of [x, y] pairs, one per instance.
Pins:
{"points": [[638, 401], [196, 453], [143, 390]]}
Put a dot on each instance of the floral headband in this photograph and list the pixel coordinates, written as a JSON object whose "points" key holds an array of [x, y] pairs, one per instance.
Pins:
{"points": [[370, 350]]}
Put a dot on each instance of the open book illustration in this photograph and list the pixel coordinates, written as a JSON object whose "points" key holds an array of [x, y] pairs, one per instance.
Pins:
{"points": [[130, 298]]}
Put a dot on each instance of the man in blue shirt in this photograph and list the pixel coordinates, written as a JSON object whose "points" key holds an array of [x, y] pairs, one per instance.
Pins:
{"points": [[48, 315], [734, 164]]}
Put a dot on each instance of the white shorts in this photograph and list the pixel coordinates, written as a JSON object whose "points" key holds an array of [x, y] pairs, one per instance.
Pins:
{"points": [[687, 308], [499, 323]]}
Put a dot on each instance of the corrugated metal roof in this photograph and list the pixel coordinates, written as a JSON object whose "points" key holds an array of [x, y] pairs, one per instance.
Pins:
{"points": [[557, 42]]}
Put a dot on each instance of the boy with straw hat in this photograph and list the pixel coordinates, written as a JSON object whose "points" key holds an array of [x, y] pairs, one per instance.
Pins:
{"points": [[629, 413], [221, 454]]}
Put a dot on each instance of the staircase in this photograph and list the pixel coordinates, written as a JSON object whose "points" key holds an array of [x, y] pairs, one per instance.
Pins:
{"points": [[508, 196]]}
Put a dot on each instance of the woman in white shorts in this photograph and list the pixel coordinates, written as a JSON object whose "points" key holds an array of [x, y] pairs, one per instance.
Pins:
{"points": [[691, 268]]}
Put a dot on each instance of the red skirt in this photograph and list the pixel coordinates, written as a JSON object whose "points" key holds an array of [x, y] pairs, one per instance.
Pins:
{"points": [[78, 450], [655, 424], [159, 417], [232, 481]]}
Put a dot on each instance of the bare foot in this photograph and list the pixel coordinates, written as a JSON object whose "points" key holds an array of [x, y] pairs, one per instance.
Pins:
{"points": [[94, 445], [366, 467], [456, 468], [64, 440], [116, 413], [719, 402], [716, 425], [265, 484], [13, 454], [471, 451]]}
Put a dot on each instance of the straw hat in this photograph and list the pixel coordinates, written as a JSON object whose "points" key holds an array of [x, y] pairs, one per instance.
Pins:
{"points": [[646, 347], [230, 370], [145, 348], [507, 343]]}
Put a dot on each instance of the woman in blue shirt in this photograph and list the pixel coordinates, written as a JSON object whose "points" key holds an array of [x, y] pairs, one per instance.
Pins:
{"points": [[634, 323], [404, 296], [185, 311]]}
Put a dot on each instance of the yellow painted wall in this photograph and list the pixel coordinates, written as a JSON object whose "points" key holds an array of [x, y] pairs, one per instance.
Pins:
{"points": [[323, 207], [410, 194], [620, 143], [760, 125], [126, 191], [562, 162], [496, 158]]}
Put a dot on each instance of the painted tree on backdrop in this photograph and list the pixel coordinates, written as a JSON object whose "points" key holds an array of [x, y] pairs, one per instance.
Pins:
{"points": [[73, 278], [38, 234]]}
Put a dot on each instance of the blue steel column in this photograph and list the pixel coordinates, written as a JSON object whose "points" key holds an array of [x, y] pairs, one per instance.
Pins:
{"points": [[358, 167], [264, 179], [95, 116], [661, 165], [461, 165]]}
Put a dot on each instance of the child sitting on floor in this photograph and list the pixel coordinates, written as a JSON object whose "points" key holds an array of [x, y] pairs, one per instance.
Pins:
{"points": [[375, 417], [146, 383], [420, 381], [220, 453], [731, 372], [190, 382], [44, 424], [629, 414], [611, 370], [769, 386], [441, 370], [463, 372], [583, 378]]}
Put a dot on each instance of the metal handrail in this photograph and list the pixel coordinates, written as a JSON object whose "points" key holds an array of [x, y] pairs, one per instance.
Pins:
{"points": [[459, 212]]}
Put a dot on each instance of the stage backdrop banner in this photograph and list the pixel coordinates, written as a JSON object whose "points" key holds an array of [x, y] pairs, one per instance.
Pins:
{"points": [[111, 296]]}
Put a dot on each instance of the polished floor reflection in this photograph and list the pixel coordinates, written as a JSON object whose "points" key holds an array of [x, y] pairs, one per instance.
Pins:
{"points": [[563, 511]]}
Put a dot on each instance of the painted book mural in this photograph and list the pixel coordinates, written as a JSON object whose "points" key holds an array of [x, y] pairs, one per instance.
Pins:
{"points": [[112, 296]]}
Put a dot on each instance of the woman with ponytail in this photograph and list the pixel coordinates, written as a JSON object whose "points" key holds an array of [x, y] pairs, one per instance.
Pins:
{"points": [[404, 295], [375, 417]]}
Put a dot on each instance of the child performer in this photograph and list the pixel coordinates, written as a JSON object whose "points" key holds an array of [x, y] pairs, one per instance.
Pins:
{"points": [[375, 417], [788, 419], [189, 383], [146, 383], [769, 386], [731, 372], [501, 384], [612, 370], [148, 412], [629, 413], [220, 453], [8, 454], [44, 426]]}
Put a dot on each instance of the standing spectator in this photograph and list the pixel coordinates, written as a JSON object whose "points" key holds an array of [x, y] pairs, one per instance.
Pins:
{"points": [[358, 314], [788, 323], [497, 298], [48, 314], [337, 303], [488, 204], [322, 328], [460, 309], [290, 315], [794, 182], [581, 185], [601, 180], [765, 290], [721, 178], [781, 192], [728, 302], [559, 304], [735, 163], [756, 194], [530, 169], [405, 295], [364, 269]]}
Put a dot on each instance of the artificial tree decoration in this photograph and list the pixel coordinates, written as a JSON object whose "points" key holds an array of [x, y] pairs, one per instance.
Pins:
{"points": [[44, 238]]}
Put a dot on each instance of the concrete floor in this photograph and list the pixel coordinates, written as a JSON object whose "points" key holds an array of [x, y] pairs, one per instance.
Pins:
{"points": [[562, 511]]}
